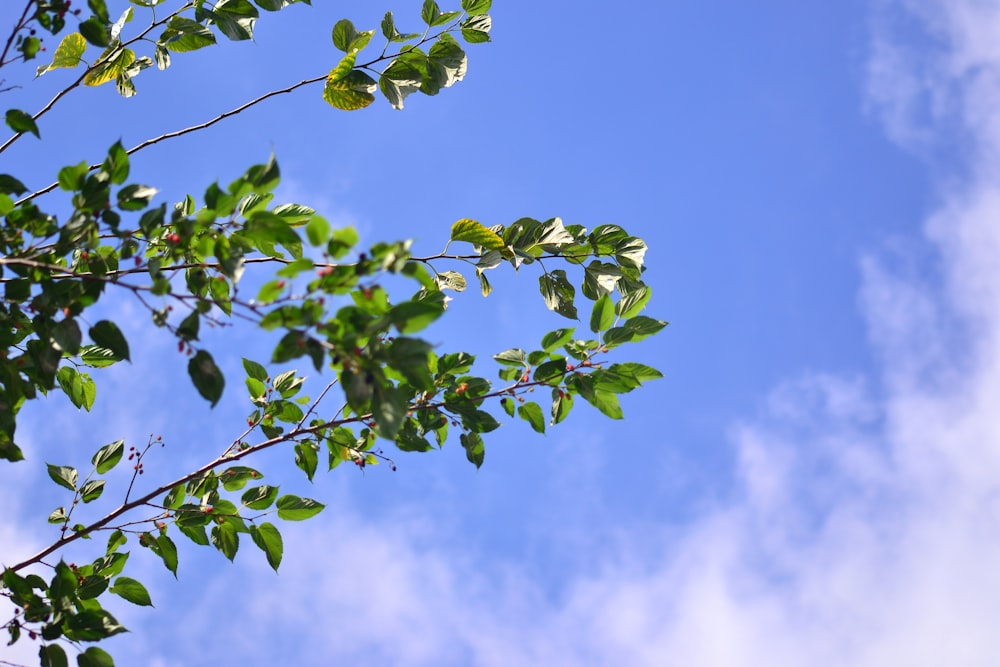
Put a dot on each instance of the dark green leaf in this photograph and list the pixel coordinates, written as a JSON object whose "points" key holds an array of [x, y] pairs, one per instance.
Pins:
{"points": [[168, 553], [106, 334], [255, 370], [531, 412], [642, 327], [21, 121], [95, 31], [267, 537], [475, 451], [206, 376], [94, 657], [562, 403], [226, 539], [388, 409], [260, 497], [52, 655], [551, 372], [558, 293], [306, 458]]}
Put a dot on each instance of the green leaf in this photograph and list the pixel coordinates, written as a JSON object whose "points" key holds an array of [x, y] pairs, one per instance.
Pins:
{"points": [[293, 508], [52, 655], [188, 328], [95, 31], [562, 403], [131, 590], [267, 537], [91, 490], [389, 409], [476, 7], [343, 34], [398, 81], [551, 372], [512, 357], [236, 477], [113, 63], [168, 553], [476, 234], [476, 29], [255, 370], [348, 89], [556, 339], [603, 314], [508, 404], [117, 539], [606, 402], [108, 456], [183, 34], [235, 18], [531, 412], [641, 327], [633, 302], [116, 164], [558, 293], [347, 39], [452, 280], [390, 32], [206, 376], [80, 388], [318, 231], [475, 450], [306, 458], [94, 657], [92, 625], [64, 476], [21, 122], [260, 497], [226, 539], [71, 177], [106, 334], [96, 356]]}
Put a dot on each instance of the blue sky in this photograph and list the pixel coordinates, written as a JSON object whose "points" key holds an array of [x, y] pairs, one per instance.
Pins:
{"points": [[813, 482]]}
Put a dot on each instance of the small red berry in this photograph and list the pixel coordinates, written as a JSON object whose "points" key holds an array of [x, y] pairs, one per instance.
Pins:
{"points": [[138, 261], [174, 238]]}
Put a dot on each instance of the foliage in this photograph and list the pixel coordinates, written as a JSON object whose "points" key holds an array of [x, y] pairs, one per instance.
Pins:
{"points": [[187, 264]]}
